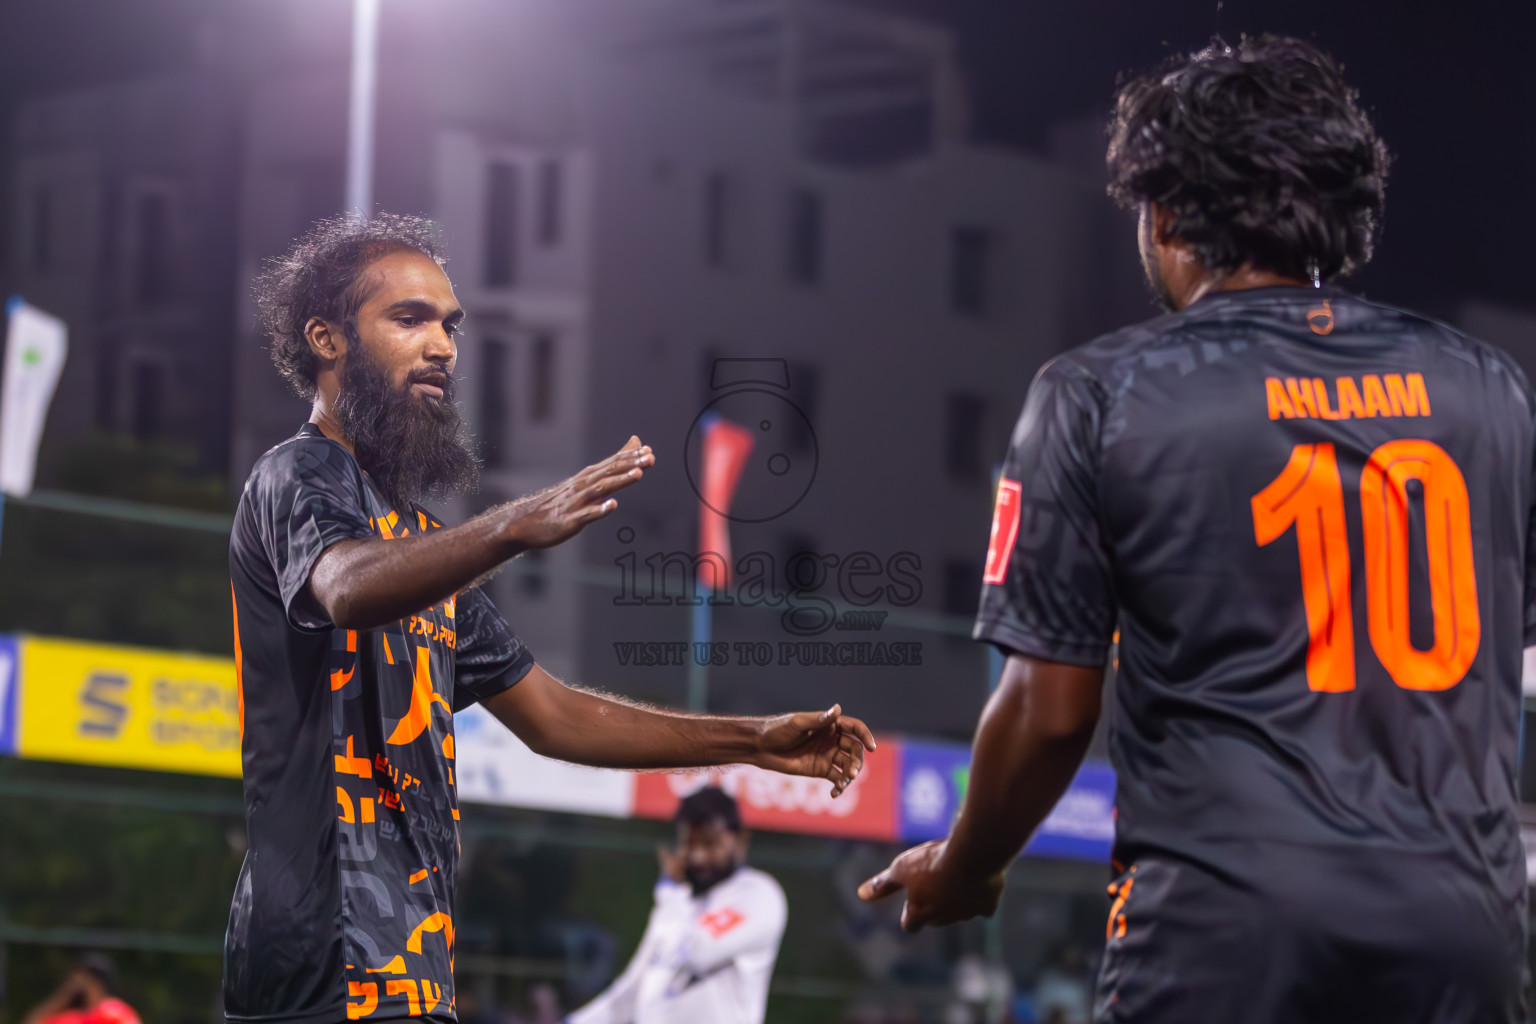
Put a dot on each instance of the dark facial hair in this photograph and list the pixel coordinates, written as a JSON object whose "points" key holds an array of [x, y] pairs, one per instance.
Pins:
{"points": [[1154, 272], [701, 880], [414, 449]]}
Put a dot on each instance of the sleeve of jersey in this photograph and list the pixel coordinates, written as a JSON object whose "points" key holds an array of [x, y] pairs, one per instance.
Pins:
{"points": [[1530, 567], [1047, 589], [752, 921], [310, 498], [488, 656]]}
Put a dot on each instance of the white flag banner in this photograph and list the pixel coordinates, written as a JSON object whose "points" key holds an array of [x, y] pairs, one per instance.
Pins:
{"points": [[35, 346], [495, 767]]}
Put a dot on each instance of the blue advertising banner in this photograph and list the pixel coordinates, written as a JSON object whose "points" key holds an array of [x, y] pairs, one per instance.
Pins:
{"points": [[1082, 824], [10, 683], [933, 781]]}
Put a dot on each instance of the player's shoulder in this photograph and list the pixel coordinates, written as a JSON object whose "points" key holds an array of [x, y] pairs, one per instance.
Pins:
{"points": [[1455, 344], [1090, 375], [750, 880], [1179, 340], [1097, 363], [113, 1011], [307, 453]]}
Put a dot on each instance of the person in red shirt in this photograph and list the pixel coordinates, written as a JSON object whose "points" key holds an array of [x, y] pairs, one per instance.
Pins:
{"points": [[85, 997]]}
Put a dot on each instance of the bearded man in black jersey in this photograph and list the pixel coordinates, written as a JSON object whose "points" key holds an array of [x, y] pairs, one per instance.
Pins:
{"points": [[359, 631], [1308, 515]]}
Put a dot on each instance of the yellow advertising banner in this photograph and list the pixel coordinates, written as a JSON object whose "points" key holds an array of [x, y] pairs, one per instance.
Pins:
{"points": [[127, 707]]}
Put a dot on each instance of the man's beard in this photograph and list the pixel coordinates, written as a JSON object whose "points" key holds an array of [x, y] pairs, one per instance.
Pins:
{"points": [[1159, 288], [414, 450], [1152, 271], [701, 880]]}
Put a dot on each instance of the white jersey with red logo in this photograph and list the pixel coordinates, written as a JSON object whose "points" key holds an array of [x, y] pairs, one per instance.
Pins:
{"points": [[702, 959]]}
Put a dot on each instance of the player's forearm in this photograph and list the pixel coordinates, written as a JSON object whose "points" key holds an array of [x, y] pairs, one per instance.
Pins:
{"points": [[607, 733], [1028, 747], [368, 583], [587, 728]]}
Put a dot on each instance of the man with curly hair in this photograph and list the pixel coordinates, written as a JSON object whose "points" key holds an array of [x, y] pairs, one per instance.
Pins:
{"points": [[1307, 514], [359, 631]]}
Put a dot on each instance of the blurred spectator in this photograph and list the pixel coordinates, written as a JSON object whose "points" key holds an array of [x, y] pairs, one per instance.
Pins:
{"points": [[86, 996], [708, 951], [544, 1005], [1062, 993]]}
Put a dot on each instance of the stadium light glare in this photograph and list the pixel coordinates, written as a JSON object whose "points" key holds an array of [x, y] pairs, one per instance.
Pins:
{"points": [[360, 110]]}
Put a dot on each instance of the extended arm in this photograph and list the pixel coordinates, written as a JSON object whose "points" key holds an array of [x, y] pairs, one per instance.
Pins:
{"points": [[1031, 740], [363, 584], [582, 727]]}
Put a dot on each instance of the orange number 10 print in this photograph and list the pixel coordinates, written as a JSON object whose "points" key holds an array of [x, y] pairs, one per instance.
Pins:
{"points": [[1309, 495]]}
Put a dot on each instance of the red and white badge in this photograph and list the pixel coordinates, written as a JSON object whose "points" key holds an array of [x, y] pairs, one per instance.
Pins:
{"points": [[1005, 530], [718, 922]]}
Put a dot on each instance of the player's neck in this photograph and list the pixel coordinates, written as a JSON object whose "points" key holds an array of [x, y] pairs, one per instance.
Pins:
{"points": [[322, 416], [1242, 278]]}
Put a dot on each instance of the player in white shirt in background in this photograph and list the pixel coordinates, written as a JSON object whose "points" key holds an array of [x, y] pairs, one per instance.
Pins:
{"points": [[709, 948]]}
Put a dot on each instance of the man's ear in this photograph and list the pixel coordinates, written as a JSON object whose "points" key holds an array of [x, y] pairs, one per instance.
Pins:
{"points": [[1161, 219], [326, 340]]}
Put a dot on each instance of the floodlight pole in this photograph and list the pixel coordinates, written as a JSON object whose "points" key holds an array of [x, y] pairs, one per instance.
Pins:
{"points": [[360, 110]]}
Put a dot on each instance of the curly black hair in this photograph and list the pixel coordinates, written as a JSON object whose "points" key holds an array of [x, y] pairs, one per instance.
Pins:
{"points": [[709, 804], [1260, 152], [322, 275]]}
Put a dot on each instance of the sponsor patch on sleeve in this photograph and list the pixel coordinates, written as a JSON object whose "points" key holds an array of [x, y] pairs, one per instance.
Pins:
{"points": [[718, 922], [1005, 530]]}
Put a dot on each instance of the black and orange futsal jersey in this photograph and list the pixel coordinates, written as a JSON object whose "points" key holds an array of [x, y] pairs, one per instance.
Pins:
{"points": [[344, 906], [1308, 515]]}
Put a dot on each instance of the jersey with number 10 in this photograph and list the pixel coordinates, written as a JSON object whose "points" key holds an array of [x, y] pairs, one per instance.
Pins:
{"points": [[1308, 515]]}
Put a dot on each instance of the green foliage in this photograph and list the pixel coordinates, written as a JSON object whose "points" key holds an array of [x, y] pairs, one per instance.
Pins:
{"points": [[69, 863], [114, 581], [161, 472]]}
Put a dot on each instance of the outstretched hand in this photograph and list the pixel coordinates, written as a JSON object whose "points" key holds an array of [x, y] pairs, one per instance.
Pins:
{"points": [[937, 894], [821, 744], [560, 512]]}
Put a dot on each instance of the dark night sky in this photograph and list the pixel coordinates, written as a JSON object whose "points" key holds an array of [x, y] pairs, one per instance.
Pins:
{"points": [[1452, 90], [1453, 93]]}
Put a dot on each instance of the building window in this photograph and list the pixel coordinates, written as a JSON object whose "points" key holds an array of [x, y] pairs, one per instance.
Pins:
{"points": [[542, 404], [805, 393], [804, 242], [154, 249], [551, 202], [147, 382], [496, 360], [800, 563], [719, 220], [41, 240], [500, 225], [964, 417], [972, 252]]}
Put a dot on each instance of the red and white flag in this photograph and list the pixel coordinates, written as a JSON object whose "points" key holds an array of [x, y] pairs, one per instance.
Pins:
{"points": [[723, 456]]}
